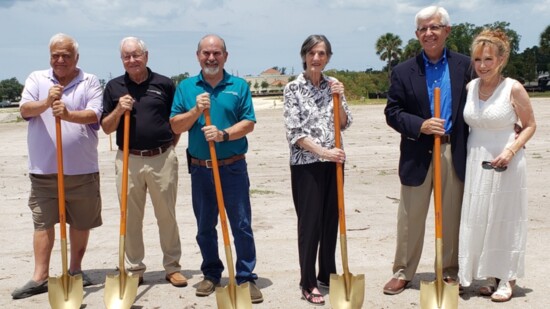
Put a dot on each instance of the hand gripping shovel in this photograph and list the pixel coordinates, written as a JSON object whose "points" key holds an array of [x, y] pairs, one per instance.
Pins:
{"points": [[347, 291], [121, 288], [65, 291], [438, 294], [232, 296]]}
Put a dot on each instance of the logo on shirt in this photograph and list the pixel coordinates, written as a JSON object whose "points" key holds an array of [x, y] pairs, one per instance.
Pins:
{"points": [[232, 92], [154, 91]]}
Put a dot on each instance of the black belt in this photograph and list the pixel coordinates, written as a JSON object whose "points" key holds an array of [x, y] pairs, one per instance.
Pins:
{"points": [[444, 139], [208, 163], [151, 152]]}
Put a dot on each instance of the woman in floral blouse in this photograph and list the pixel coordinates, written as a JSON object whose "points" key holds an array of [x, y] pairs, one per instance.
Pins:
{"points": [[308, 115]]}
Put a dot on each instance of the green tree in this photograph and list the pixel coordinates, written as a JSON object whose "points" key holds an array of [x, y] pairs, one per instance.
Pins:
{"points": [[545, 40], [256, 86], [178, 78], [461, 37], [543, 58], [412, 49], [264, 84], [388, 47], [10, 89]]}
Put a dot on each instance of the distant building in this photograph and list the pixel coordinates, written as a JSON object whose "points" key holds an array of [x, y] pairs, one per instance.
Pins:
{"points": [[269, 82]]}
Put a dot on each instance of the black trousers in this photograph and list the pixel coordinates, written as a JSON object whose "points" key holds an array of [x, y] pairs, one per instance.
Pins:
{"points": [[315, 200]]}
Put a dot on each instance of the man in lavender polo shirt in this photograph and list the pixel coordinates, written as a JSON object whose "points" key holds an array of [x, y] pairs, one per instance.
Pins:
{"points": [[63, 91]]}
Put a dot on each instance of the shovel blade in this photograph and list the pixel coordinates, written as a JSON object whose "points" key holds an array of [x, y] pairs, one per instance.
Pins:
{"points": [[431, 299], [351, 297], [64, 299], [117, 297], [240, 300]]}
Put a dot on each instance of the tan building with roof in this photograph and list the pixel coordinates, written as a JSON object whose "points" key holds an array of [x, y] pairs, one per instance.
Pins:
{"points": [[269, 82]]}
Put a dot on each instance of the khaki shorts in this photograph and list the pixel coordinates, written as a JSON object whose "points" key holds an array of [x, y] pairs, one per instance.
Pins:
{"points": [[82, 201]]}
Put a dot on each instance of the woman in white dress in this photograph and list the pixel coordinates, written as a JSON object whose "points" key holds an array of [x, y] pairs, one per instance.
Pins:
{"points": [[493, 225]]}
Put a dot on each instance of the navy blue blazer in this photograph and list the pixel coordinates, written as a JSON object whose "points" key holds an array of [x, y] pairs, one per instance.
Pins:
{"points": [[409, 106]]}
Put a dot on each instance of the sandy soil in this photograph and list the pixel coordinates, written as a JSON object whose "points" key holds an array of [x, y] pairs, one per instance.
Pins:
{"points": [[371, 195]]}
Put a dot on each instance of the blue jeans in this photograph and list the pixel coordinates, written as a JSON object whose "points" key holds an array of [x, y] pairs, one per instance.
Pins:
{"points": [[235, 188]]}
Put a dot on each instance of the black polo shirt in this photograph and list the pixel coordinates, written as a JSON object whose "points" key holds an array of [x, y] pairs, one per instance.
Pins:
{"points": [[150, 115]]}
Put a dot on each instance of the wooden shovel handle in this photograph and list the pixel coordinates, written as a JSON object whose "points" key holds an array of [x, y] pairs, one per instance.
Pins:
{"points": [[217, 183], [60, 179], [339, 167], [437, 169], [124, 185]]}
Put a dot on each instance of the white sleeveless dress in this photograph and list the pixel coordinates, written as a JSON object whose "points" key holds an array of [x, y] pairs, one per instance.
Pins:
{"points": [[493, 225]]}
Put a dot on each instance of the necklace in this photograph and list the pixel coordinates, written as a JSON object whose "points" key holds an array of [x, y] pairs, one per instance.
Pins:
{"points": [[487, 95]]}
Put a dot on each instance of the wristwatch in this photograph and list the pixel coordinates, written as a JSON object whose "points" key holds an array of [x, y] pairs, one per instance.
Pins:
{"points": [[225, 136]]}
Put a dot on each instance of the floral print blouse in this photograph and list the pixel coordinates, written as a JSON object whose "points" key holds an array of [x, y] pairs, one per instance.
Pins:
{"points": [[308, 111]]}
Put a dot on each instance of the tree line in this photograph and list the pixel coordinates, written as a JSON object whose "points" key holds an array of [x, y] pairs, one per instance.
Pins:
{"points": [[524, 66]]}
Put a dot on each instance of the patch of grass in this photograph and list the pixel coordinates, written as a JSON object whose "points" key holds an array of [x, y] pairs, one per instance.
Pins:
{"points": [[261, 192], [383, 173], [545, 94], [367, 102]]}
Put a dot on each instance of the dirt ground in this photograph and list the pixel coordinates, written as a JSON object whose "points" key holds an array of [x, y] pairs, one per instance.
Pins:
{"points": [[371, 197]]}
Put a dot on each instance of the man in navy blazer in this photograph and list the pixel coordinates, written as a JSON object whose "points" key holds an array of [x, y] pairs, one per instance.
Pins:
{"points": [[410, 112]]}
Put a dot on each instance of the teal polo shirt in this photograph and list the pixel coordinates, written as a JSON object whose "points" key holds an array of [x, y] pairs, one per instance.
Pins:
{"points": [[230, 102]]}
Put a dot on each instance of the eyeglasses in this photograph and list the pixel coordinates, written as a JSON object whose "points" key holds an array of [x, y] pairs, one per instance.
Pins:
{"points": [[432, 28], [130, 56], [488, 166]]}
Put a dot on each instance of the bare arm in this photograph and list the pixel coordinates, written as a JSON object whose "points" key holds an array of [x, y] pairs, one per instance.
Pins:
{"points": [[333, 155], [524, 110], [35, 108], [110, 122]]}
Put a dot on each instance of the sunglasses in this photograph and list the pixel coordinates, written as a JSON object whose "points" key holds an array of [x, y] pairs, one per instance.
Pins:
{"points": [[488, 166]]}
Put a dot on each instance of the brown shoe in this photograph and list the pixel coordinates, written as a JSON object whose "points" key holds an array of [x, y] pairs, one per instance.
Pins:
{"points": [[255, 293], [206, 287], [177, 279], [395, 286]]}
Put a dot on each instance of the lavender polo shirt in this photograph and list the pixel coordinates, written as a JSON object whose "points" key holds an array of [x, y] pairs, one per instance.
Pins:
{"points": [[79, 140]]}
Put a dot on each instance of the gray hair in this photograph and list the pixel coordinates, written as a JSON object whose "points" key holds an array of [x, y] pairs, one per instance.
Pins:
{"points": [[60, 37], [310, 42], [224, 48], [432, 11], [139, 42]]}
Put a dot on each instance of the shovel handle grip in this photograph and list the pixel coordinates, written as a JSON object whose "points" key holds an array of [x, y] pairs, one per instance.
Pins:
{"points": [[217, 183], [124, 184], [60, 179], [339, 167], [437, 169]]}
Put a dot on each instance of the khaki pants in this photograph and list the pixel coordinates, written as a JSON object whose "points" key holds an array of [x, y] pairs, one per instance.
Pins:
{"points": [[411, 220], [158, 175]]}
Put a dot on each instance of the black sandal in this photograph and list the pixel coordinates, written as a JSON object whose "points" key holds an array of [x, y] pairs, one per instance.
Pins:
{"points": [[309, 296]]}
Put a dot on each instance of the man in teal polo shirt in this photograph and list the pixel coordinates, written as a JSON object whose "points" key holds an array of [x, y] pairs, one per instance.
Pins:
{"points": [[232, 113]]}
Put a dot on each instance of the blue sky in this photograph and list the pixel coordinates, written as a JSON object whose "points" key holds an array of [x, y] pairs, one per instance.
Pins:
{"points": [[259, 33]]}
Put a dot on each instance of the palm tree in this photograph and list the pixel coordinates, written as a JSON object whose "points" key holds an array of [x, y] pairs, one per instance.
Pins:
{"points": [[388, 47]]}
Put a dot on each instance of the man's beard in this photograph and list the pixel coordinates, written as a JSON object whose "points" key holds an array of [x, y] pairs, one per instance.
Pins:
{"points": [[211, 71]]}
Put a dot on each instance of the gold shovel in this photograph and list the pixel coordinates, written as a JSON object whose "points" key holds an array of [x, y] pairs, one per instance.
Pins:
{"points": [[65, 291], [121, 288], [232, 296], [438, 294], [347, 291]]}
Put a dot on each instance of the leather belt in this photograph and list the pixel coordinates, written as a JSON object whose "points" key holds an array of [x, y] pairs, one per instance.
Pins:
{"points": [[151, 152], [444, 139], [208, 163]]}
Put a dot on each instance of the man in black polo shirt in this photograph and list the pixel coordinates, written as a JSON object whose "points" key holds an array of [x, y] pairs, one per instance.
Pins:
{"points": [[153, 164]]}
